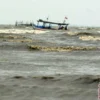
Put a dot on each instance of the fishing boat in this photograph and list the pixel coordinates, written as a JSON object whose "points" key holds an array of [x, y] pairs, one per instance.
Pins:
{"points": [[50, 25]]}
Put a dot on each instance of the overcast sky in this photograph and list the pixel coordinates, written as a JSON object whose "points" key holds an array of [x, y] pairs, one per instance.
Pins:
{"points": [[79, 12]]}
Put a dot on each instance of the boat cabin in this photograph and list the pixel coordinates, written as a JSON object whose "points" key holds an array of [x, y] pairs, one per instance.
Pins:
{"points": [[48, 25]]}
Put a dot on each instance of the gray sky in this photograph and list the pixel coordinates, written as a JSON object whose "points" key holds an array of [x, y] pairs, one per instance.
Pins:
{"points": [[79, 12]]}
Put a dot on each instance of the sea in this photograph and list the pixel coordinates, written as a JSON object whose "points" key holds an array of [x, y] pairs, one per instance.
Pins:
{"points": [[60, 65]]}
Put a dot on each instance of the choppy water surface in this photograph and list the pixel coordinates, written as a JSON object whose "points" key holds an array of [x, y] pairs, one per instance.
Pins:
{"points": [[31, 68], [48, 63]]}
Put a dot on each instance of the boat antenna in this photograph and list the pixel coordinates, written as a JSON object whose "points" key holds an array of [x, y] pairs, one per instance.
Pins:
{"points": [[65, 19], [48, 18]]}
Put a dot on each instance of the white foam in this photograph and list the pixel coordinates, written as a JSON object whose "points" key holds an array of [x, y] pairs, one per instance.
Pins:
{"points": [[22, 31], [88, 38], [98, 31]]}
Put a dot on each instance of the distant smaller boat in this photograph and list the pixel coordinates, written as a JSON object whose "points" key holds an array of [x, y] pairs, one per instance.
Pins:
{"points": [[49, 25]]}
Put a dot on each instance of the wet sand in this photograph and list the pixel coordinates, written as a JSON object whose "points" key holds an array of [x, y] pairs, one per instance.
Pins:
{"points": [[67, 68]]}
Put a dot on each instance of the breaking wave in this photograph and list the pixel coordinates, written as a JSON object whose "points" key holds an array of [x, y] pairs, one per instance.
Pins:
{"points": [[58, 49], [88, 38], [79, 33]]}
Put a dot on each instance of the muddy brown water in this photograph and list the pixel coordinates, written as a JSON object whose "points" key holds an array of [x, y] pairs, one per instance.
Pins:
{"points": [[27, 74]]}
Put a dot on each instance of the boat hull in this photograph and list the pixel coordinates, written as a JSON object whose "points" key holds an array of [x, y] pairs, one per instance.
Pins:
{"points": [[46, 28]]}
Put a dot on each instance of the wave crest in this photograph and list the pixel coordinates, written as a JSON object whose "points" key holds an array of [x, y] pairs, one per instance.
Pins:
{"points": [[67, 48]]}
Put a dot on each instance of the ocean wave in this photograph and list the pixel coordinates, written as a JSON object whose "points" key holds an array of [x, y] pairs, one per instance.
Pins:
{"points": [[88, 38], [58, 49], [22, 31], [79, 33], [89, 79]]}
